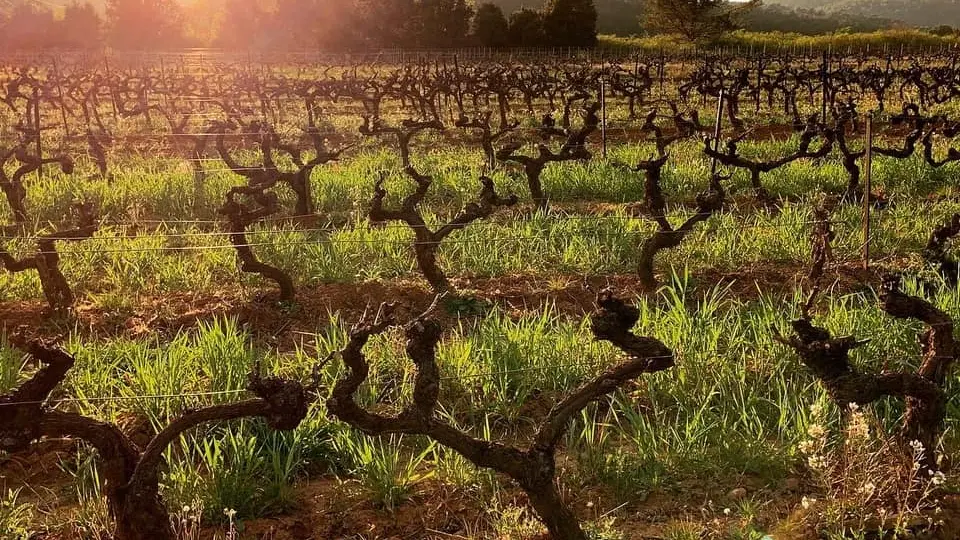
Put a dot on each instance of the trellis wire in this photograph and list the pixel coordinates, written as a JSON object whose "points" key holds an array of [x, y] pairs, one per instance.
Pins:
{"points": [[107, 399]]}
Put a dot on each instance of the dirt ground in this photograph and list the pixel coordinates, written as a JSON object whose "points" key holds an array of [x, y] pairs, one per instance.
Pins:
{"points": [[571, 295]]}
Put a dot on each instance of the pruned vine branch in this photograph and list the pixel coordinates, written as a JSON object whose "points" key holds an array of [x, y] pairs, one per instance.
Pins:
{"points": [[534, 467], [828, 358], [131, 477]]}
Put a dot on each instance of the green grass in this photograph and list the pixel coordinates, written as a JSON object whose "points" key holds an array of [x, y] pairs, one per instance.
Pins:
{"points": [[735, 405], [15, 516], [124, 262], [744, 41], [113, 269]]}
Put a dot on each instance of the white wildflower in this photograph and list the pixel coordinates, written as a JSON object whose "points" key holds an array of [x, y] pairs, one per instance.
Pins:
{"points": [[938, 478], [917, 446], [817, 462], [858, 429], [816, 409]]}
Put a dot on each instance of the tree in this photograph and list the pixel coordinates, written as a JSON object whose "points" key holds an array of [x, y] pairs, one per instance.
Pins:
{"points": [[386, 23], [335, 25], [145, 24], [28, 26], [943, 30], [413, 23], [570, 23], [526, 29], [701, 21], [619, 17], [81, 27], [243, 25], [441, 23], [490, 27], [804, 21]]}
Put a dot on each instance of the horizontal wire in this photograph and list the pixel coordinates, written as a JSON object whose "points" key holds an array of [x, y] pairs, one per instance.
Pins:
{"points": [[386, 226], [445, 241], [103, 399], [161, 135], [108, 399]]}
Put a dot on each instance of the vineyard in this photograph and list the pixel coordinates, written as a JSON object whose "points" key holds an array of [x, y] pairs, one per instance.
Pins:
{"points": [[469, 295]]}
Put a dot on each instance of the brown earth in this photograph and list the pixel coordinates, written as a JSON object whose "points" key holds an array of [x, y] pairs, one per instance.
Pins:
{"points": [[571, 295]]}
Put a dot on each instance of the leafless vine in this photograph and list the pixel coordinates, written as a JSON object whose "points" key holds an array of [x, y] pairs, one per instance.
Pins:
{"points": [[534, 467]]}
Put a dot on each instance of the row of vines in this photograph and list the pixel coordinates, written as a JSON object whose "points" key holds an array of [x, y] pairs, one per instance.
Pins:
{"points": [[272, 129]]}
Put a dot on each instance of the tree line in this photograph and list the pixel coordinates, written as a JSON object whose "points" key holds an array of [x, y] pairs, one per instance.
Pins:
{"points": [[295, 24], [358, 25]]}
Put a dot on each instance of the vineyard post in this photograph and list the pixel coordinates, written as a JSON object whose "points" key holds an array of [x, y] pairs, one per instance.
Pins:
{"points": [[759, 82], [63, 108], [113, 95], [146, 94], [716, 132], [867, 173], [36, 126], [682, 69], [823, 83], [603, 114], [663, 69], [163, 80]]}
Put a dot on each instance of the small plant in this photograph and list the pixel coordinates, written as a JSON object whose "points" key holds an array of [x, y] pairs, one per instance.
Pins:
{"points": [[11, 364], [466, 305], [15, 517], [604, 529], [93, 517], [233, 532], [236, 472], [870, 480], [187, 522], [683, 531], [515, 523], [386, 472]]}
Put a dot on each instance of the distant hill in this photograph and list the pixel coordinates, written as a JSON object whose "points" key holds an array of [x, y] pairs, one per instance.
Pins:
{"points": [[912, 12]]}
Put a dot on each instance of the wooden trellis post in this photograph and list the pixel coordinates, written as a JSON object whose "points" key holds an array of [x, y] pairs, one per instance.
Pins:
{"points": [[867, 190], [716, 132], [603, 114], [36, 126]]}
